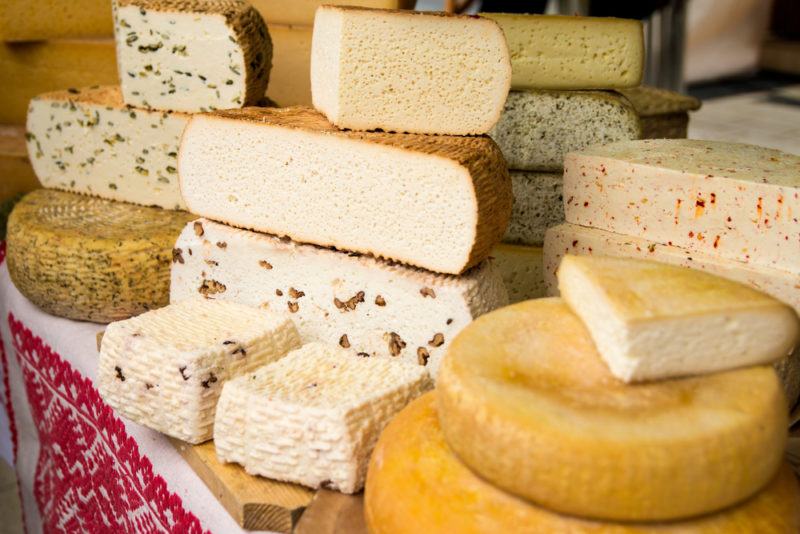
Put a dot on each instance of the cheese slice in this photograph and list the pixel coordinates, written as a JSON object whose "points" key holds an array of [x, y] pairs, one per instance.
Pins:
{"points": [[302, 12], [87, 141], [36, 20], [314, 416], [408, 71], [90, 259], [191, 55], [570, 52], [522, 270], [437, 202], [165, 369], [290, 77], [538, 205], [15, 168], [725, 200], [528, 381], [366, 305], [416, 484]]}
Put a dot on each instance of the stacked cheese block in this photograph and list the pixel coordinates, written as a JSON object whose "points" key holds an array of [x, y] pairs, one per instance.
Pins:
{"points": [[641, 402]]}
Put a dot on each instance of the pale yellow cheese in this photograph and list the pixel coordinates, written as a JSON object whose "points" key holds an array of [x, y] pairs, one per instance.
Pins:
{"points": [[16, 174], [302, 11], [522, 270], [290, 78], [34, 20]]}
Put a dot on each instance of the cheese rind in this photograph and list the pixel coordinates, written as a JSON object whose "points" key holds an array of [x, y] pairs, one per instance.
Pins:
{"points": [[724, 200], [314, 416], [652, 101], [538, 205], [15, 167], [522, 270], [372, 306], [88, 141], [408, 71], [165, 369], [38, 20]]}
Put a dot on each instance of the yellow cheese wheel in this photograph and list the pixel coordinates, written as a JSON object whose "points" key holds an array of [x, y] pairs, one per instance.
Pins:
{"points": [[526, 401], [415, 484], [15, 168]]}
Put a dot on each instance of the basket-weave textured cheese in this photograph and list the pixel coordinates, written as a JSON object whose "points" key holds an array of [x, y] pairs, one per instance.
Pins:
{"points": [[522, 270], [90, 259], [538, 205], [15, 167]]}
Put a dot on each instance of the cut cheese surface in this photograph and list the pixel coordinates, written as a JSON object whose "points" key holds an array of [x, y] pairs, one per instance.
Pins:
{"points": [[437, 202], [90, 259], [416, 484], [191, 55], [652, 320], [302, 12], [290, 77], [522, 270], [88, 141], [538, 205], [726, 200], [165, 369], [408, 71], [369, 306], [314, 416], [36, 20], [570, 52], [15, 168], [576, 440]]}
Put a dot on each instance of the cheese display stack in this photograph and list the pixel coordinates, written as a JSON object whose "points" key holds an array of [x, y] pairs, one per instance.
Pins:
{"points": [[15, 167]]}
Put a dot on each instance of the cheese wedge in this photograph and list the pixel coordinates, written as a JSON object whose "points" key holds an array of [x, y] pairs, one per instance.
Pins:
{"points": [[440, 202], [314, 416], [521, 269], [87, 141], [567, 52], [165, 369], [538, 128], [369, 306], [37, 20], [191, 55], [416, 484], [302, 11], [527, 380], [90, 259], [290, 78], [15, 168], [538, 205], [408, 71], [725, 200]]}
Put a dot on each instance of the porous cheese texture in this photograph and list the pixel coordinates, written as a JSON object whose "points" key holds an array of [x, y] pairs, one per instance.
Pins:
{"points": [[191, 55], [527, 380], [437, 202], [570, 52], [37, 20], [165, 369], [416, 484], [367, 305], [652, 321], [725, 200], [538, 205], [538, 128], [408, 71], [15, 168], [521, 269], [90, 259], [289, 79], [88, 141], [314, 416], [301, 12]]}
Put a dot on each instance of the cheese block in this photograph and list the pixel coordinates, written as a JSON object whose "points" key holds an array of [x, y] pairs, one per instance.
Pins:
{"points": [[30, 69], [408, 71], [664, 114], [90, 259], [165, 369], [437, 202], [15, 168], [652, 321], [290, 78], [521, 269], [538, 128], [538, 205], [570, 52], [578, 441], [35, 20], [726, 200], [191, 55], [416, 484], [314, 416], [369, 306], [301, 12], [88, 141]]}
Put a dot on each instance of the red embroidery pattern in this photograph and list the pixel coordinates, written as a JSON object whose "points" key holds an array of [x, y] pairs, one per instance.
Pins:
{"points": [[90, 476]]}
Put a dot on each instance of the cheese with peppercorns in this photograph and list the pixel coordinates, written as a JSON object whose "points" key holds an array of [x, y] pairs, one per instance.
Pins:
{"points": [[368, 306], [165, 369], [314, 416], [191, 55]]}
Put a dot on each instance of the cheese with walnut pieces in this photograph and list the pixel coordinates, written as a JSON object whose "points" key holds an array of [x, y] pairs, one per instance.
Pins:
{"points": [[165, 369], [314, 416]]}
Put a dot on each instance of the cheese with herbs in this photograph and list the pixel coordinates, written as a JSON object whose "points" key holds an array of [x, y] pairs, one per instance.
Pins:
{"points": [[538, 205]]}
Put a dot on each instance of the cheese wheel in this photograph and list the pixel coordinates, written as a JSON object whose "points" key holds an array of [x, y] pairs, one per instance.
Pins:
{"points": [[90, 259], [556, 427], [416, 484]]}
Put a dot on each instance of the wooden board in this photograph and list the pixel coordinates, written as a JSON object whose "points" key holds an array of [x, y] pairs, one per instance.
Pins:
{"points": [[332, 512]]}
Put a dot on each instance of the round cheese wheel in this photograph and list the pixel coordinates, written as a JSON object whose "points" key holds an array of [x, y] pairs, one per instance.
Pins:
{"points": [[527, 402], [416, 484], [91, 259]]}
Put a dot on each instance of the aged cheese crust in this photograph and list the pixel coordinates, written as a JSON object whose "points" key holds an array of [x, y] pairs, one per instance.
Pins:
{"points": [[90, 259]]}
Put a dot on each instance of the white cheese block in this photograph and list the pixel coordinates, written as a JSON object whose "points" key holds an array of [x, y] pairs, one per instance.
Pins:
{"points": [[408, 71], [88, 141], [522, 271], [437, 202], [538, 205], [165, 369], [314, 416], [370, 306], [191, 55], [724, 200]]}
